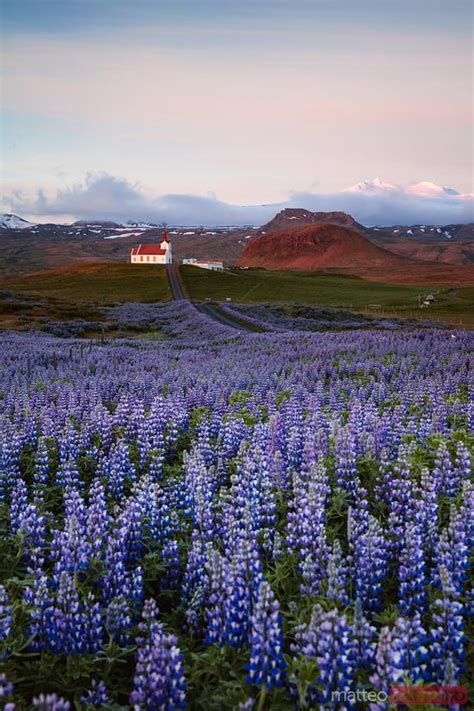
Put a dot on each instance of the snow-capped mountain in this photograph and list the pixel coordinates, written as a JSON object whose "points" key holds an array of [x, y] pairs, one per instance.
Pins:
{"points": [[368, 187], [424, 189], [427, 189], [13, 222]]}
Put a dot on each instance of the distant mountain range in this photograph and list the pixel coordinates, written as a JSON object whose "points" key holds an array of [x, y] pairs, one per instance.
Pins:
{"points": [[28, 247], [423, 189]]}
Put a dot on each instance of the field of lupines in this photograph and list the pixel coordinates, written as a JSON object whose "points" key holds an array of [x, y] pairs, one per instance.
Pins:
{"points": [[234, 521]]}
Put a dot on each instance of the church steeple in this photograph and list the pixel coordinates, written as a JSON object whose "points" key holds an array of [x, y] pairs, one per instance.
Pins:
{"points": [[165, 237]]}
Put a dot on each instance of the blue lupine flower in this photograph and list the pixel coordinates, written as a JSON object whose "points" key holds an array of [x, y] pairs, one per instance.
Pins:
{"points": [[267, 664], [171, 557], [217, 569], [338, 574], [159, 677], [409, 654], [334, 656], [50, 702], [370, 564], [6, 687], [42, 469], [328, 640], [447, 637], [6, 615], [412, 572], [452, 551], [364, 636], [97, 694], [307, 526], [346, 460]]}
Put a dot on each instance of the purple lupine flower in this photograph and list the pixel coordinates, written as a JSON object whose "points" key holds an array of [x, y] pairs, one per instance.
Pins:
{"points": [[70, 548], [447, 638], [98, 521], [124, 578], [119, 471], [42, 469], [195, 582], [306, 526], [70, 625], [253, 481], [9, 464], [428, 508], [338, 574], [217, 570], [334, 656], [346, 460], [462, 463], [171, 557], [6, 687], [401, 501], [51, 702], [18, 505], [370, 564], [159, 677], [443, 472], [328, 640], [452, 551], [159, 513], [384, 673], [6, 615], [409, 655], [267, 664], [237, 603], [6, 691], [364, 636], [242, 549], [97, 695], [467, 511], [130, 526], [306, 639], [40, 603], [412, 572], [67, 475], [118, 620], [200, 487]]}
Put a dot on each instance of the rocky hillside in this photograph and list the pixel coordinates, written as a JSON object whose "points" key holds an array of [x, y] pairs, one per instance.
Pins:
{"points": [[334, 248], [296, 217]]}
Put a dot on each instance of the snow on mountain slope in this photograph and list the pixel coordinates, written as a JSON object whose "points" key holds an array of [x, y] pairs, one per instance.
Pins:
{"points": [[13, 222], [427, 189], [424, 189], [368, 187]]}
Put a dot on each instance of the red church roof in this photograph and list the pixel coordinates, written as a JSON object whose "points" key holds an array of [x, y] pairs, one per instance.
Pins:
{"points": [[147, 249], [165, 236]]}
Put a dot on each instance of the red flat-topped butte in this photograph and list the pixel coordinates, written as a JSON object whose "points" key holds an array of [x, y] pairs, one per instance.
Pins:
{"points": [[335, 248]]}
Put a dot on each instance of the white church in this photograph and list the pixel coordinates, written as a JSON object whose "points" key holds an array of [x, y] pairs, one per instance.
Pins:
{"points": [[153, 253]]}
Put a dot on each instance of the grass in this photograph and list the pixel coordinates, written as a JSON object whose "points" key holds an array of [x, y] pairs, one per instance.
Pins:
{"points": [[453, 306], [78, 291], [98, 284]]}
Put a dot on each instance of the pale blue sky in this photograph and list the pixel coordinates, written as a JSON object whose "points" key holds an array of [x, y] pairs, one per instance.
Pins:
{"points": [[250, 100]]}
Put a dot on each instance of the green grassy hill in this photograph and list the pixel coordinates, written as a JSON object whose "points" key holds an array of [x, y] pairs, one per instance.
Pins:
{"points": [[79, 291], [100, 284], [454, 305]]}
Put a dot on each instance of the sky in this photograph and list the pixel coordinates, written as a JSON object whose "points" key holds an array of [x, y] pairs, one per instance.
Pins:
{"points": [[209, 107]]}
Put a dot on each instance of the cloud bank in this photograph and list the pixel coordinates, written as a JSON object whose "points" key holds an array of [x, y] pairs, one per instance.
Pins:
{"points": [[105, 197]]}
